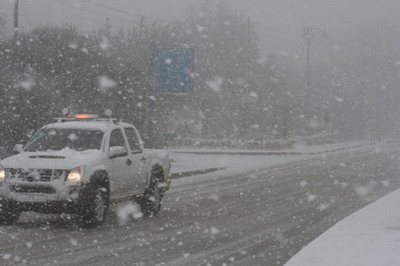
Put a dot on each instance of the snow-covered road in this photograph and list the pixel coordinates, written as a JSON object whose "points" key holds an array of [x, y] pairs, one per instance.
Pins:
{"points": [[260, 215]]}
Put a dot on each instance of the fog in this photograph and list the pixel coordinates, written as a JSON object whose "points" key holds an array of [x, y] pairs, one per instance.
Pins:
{"points": [[270, 120], [348, 91], [276, 20]]}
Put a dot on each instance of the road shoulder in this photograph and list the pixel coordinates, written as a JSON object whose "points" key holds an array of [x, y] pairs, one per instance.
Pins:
{"points": [[370, 236]]}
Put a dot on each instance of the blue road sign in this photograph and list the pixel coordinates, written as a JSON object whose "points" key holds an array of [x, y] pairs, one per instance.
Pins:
{"points": [[175, 67]]}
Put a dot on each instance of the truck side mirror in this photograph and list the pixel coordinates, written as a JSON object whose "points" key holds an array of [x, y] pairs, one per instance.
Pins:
{"points": [[18, 148], [141, 145], [117, 151]]}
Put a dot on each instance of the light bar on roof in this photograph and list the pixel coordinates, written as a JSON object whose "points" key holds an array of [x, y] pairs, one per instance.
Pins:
{"points": [[86, 116]]}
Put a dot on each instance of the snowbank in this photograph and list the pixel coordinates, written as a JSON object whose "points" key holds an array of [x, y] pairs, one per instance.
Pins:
{"points": [[256, 143], [370, 236], [296, 150]]}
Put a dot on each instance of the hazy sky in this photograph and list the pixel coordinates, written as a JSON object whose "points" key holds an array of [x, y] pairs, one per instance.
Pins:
{"points": [[279, 22]]}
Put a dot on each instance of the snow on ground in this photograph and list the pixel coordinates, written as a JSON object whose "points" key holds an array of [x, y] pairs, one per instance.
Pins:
{"points": [[370, 236], [236, 163], [184, 161], [327, 147], [298, 148], [249, 165]]}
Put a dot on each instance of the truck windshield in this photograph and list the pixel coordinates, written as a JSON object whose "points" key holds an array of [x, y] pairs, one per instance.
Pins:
{"points": [[61, 138]]}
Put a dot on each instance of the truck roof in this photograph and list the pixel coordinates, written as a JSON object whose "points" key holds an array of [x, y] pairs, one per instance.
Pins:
{"points": [[82, 124], [86, 121], [100, 125]]}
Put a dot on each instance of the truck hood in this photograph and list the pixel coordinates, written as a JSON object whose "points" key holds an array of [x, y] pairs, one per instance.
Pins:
{"points": [[65, 159]]}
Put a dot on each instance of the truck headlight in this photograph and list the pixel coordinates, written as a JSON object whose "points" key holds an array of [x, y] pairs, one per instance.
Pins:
{"points": [[75, 175], [2, 174]]}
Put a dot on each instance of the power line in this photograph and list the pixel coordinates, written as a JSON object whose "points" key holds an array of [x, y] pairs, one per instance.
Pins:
{"points": [[132, 14], [104, 15], [70, 12], [67, 3], [94, 13], [53, 4], [60, 19]]}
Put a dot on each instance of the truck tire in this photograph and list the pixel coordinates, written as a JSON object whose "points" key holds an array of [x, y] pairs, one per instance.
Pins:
{"points": [[9, 214], [95, 207], [151, 201]]}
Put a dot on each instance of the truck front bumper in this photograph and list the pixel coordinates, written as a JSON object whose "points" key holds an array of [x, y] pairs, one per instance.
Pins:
{"points": [[66, 199], [54, 207]]}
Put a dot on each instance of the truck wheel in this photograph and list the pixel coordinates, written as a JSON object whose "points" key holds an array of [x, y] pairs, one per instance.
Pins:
{"points": [[9, 214], [95, 207], [151, 201]]}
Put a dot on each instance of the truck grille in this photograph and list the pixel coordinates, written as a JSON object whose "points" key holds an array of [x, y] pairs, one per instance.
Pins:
{"points": [[32, 189], [36, 175]]}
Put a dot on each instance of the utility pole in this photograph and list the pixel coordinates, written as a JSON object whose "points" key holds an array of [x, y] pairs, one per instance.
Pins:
{"points": [[248, 49], [309, 34], [15, 20]]}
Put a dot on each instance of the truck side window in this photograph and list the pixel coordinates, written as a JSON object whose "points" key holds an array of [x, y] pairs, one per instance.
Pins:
{"points": [[132, 139], [116, 138]]}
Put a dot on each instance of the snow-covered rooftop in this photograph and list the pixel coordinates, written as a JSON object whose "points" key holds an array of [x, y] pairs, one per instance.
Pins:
{"points": [[82, 124]]}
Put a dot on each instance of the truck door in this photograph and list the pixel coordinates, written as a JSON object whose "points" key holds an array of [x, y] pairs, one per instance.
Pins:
{"points": [[120, 165], [139, 171]]}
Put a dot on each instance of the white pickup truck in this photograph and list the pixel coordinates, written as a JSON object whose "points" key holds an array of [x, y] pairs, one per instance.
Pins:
{"points": [[78, 166]]}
